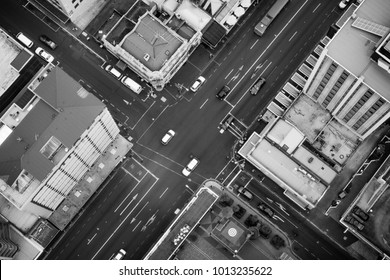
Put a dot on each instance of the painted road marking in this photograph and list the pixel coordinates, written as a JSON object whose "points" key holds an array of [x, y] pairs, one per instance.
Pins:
{"points": [[203, 103], [228, 74], [316, 7], [292, 36], [254, 44], [163, 193]]}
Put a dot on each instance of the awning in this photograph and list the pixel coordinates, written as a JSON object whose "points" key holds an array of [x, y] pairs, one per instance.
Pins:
{"points": [[245, 3], [239, 11], [232, 20]]}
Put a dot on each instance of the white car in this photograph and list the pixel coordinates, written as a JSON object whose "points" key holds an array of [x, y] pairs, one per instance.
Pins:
{"points": [[168, 137], [120, 255], [190, 166], [42, 53], [343, 4], [198, 83]]}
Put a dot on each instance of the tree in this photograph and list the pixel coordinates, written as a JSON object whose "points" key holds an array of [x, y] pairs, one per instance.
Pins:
{"points": [[277, 242], [226, 200], [251, 221], [264, 230], [239, 211], [254, 233]]}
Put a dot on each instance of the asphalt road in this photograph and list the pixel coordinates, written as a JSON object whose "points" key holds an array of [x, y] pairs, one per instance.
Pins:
{"points": [[100, 231]]}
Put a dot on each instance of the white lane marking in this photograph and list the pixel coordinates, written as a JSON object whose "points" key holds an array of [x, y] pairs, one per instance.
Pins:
{"points": [[316, 7], [139, 212], [163, 193], [204, 103], [90, 240], [292, 36], [229, 74], [118, 227], [270, 44], [142, 116], [188, 187], [136, 225], [134, 197], [254, 44]]}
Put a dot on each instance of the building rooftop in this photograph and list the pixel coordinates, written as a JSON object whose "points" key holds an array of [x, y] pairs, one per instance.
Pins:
{"points": [[333, 140], [308, 116], [352, 47], [270, 159], [55, 105], [286, 136], [374, 200], [188, 218], [314, 164], [151, 42], [9, 51]]}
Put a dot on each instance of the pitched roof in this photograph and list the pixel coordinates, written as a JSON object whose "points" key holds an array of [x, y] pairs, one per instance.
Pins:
{"points": [[65, 112]]}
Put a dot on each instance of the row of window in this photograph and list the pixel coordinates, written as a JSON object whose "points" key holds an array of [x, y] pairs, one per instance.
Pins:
{"points": [[325, 80], [358, 105], [368, 114], [335, 88]]}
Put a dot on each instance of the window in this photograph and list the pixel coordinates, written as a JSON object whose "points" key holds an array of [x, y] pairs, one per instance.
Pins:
{"points": [[51, 148]]}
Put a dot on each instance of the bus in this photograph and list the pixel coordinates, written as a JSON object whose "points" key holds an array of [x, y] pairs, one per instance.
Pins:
{"points": [[262, 26]]}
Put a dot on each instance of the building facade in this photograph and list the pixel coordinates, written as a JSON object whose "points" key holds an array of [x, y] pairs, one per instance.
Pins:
{"points": [[351, 78]]}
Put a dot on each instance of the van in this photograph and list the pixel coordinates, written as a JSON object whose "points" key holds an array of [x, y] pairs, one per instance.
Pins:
{"points": [[131, 84], [24, 40], [110, 69], [190, 166], [245, 193]]}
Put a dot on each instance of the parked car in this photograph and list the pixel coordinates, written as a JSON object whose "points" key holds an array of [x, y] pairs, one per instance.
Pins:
{"points": [[360, 213], [120, 255], [343, 4], [266, 209], [167, 137], [352, 221], [198, 83], [43, 54], [342, 194], [48, 42], [257, 86], [245, 193], [113, 71], [223, 92]]}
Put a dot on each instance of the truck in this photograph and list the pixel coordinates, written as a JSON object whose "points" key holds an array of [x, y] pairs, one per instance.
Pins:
{"points": [[262, 26]]}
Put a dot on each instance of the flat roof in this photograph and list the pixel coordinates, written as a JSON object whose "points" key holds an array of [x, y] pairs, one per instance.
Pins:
{"points": [[352, 47], [286, 136], [151, 42], [9, 51], [336, 142], [192, 14], [275, 161], [314, 164], [308, 116]]}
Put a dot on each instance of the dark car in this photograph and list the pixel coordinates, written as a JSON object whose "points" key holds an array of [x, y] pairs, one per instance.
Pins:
{"points": [[257, 86], [48, 42], [266, 209], [352, 221], [223, 92], [360, 213]]}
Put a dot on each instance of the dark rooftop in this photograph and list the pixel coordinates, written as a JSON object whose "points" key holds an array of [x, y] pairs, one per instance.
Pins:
{"points": [[191, 217]]}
